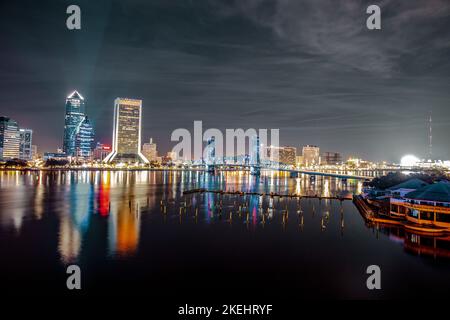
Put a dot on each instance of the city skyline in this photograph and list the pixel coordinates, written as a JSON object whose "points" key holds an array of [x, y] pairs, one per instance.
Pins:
{"points": [[205, 150], [78, 139], [239, 65]]}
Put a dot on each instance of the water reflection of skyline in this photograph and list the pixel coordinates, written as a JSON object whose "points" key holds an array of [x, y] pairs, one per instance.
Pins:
{"points": [[121, 199]]}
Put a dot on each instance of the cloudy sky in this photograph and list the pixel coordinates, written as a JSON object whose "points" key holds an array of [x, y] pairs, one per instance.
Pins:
{"points": [[308, 67]]}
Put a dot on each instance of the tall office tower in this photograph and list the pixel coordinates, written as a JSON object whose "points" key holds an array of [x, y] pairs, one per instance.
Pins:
{"points": [[311, 155], [25, 148], [127, 132], [74, 116], [84, 139], [149, 150], [9, 139]]}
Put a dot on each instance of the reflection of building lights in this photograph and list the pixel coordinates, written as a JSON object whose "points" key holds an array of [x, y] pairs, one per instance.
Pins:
{"points": [[69, 240]]}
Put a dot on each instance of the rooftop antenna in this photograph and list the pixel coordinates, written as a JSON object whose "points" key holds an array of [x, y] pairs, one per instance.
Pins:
{"points": [[430, 146]]}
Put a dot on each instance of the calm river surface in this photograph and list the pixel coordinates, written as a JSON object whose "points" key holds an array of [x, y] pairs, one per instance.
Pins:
{"points": [[125, 231]]}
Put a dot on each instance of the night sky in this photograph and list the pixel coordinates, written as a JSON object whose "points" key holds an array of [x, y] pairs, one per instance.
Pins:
{"points": [[308, 67]]}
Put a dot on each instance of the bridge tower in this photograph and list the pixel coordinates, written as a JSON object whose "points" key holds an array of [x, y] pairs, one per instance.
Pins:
{"points": [[255, 159], [211, 155]]}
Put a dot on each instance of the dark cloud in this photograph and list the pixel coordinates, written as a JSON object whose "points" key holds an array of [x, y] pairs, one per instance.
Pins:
{"points": [[310, 68]]}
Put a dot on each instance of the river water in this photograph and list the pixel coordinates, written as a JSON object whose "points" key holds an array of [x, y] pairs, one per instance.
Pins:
{"points": [[135, 231]]}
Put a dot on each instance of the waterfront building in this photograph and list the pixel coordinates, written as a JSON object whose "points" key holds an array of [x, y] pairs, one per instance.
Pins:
{"points": [[299, 160], [357, 163], [84, 139], [311, 155], [9, 139], [25, 147], [149, 150], [288, 155], [75, 106], [331, 158], [427, 208], [34, 152], [101, 151], [54, 155], [283, 155], [165, 160], [126, 145], [172, 156]]}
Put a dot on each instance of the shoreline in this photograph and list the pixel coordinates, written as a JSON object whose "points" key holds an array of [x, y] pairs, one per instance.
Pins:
{"points": [[101, 169]]}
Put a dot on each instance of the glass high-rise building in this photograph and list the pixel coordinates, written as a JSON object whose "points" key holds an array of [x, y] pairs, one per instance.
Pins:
{"points": [[127, 132], [25, 148], [84, 139], [9, 139], [75, 107]]}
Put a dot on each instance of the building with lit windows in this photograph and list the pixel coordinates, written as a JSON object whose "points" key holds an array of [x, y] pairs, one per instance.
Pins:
{"points": [[149, 150], [331, 158], [34, 152], [288, 155], [283, 155], [75, 108], [101, 151], [9, 139], [426, 207], [126, 145], [172, 156], [311, 155], [84, 139], [26, 148]]}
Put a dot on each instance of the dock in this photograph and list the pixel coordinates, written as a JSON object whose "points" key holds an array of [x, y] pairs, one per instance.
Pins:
{"points": [[371, 216], [270, 194]]}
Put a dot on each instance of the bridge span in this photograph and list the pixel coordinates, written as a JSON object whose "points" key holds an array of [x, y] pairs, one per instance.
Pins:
{"points": [[231, 167]]}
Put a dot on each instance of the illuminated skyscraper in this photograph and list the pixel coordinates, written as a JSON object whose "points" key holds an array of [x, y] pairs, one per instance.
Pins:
{"points": [[9, 139], [74, 116], [25, 148], [84, 139], [127, 132]]}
